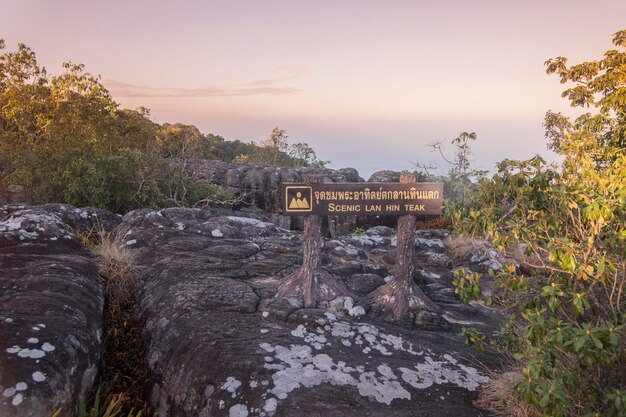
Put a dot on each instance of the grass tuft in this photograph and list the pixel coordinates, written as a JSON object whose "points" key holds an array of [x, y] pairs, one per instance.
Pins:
{"points": [[117, 268], [460, 247], [125, 377], [501, 396]]}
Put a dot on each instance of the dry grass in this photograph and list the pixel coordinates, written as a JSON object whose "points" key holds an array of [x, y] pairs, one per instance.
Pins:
{"points": [[439, 222], [459, 247], [125, 373], [89, 238], [117, 268], [500, 396]]}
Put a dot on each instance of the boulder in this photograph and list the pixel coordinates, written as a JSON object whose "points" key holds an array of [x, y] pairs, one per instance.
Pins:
{"points": [[363, 284], [384, 176], [51, 303]]}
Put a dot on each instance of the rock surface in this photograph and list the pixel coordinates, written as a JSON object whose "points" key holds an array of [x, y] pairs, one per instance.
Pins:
{"points": [[217, 341], [220, 345], [51, 302]]}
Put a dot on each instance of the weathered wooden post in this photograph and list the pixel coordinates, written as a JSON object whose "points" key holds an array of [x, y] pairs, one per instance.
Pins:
{"points": [[310, 283], [401, 295], [311, 257]]}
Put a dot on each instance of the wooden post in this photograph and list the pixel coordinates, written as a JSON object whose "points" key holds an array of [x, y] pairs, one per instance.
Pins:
{"points": [[405, 254], [311, 283], [312, 258], [401, 295]]}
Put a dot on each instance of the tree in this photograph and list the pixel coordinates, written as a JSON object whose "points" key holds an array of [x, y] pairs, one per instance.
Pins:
{"points": [[181, 141], [63, 138], [461, 177], [302, 155], [273, 147], [565, 226], [275, 150], [600, 84]]}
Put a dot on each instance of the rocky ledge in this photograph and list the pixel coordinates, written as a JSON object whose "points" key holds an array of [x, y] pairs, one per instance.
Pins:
{"points": [[51, 303], [217, 341], [220, 344]]}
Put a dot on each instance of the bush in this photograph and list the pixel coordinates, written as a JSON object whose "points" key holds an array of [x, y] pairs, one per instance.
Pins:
{"points": [[570, 220]]}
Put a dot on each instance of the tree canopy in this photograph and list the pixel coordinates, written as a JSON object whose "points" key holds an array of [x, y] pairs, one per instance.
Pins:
{"points": [[64, 139]]}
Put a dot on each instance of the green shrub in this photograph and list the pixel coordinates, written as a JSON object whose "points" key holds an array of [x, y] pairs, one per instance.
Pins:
{"points": [[570, 221]]}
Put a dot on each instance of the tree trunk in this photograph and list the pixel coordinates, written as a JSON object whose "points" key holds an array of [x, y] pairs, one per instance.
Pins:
{"points": [[311, 283], [401, 295]]}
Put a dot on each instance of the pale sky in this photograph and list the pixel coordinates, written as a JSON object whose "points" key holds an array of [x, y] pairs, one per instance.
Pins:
{"points": [[366, 83]]}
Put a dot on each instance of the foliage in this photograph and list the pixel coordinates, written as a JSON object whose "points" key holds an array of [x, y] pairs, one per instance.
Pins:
{"points": [[183, 191], [499, 394], [124, 372], [114, 405], [275, 150], [599, 84], [113, 408], [64, 139], [467, 285], [461, 178], [302, 155], [116, 262], [569, 222]]}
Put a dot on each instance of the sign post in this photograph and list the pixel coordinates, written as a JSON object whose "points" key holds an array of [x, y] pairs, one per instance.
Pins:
{"points": [[310, 283], [401, 294], [406, 199], [363, 199]]}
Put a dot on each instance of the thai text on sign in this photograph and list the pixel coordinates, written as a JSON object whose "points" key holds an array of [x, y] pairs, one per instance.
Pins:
{"points": [[363, 199]]}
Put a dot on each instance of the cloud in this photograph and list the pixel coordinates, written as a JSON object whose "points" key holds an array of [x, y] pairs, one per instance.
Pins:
{"points": [[270, 86]]}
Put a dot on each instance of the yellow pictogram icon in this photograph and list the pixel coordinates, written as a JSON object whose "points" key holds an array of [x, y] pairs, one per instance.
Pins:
{"points": [[298, 199], [298, 202]]}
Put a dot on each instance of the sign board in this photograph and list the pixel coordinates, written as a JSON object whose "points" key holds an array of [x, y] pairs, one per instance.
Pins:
{"points": [[363, 199]]}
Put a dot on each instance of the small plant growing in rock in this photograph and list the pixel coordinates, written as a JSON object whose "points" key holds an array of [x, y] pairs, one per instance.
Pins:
{"points": [[117, 268], [113, 407], [358, 231], [467, 285], [500, 394]]}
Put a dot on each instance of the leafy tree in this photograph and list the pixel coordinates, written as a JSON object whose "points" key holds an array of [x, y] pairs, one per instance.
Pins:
{"points": [[63, 138], [273, 147], [600, 84], [565, 226], [230, 150], [181, 141], [303, 155], [275, 150]]}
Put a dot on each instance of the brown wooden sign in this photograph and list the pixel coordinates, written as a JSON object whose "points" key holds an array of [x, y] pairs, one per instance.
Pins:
{"points": [[363, 199]]}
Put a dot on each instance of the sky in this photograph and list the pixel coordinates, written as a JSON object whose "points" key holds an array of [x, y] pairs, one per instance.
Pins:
{"points": [[368, 84]]}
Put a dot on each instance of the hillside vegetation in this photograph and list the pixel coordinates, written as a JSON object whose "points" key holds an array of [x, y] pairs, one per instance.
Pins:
{"points": [[64, 139]]}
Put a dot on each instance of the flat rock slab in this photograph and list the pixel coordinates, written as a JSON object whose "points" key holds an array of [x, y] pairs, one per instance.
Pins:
{"points": [[219, 345], [51, 302]]}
